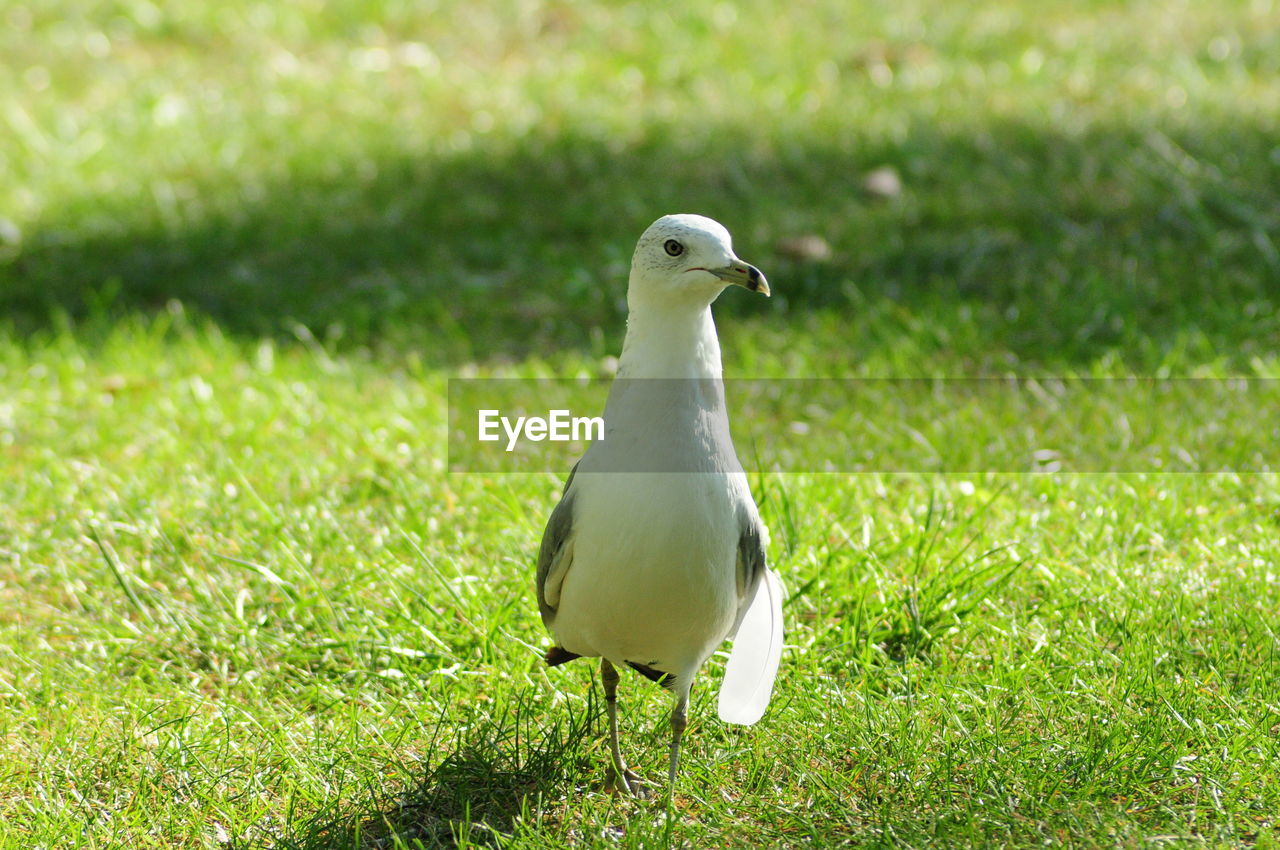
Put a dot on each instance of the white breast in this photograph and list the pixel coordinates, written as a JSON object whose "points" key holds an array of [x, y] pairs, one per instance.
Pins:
{"points": [[653, 579]]}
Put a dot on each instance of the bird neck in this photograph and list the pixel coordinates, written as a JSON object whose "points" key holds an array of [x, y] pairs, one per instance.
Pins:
{"points": [[670, 343]]}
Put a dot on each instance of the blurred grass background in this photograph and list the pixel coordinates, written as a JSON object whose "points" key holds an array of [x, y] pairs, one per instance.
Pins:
{"points": [[243, 246], [1084, 178]]}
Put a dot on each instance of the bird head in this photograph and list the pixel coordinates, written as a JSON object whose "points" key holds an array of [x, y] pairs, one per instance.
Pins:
{"points": [[690, 259]]}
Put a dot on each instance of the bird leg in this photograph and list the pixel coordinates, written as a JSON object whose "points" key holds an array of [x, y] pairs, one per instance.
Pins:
{"points": [[679, 719], [623, 779]]}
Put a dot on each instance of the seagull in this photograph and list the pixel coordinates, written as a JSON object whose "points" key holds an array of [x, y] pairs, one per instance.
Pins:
{"points": [[655, 553]]}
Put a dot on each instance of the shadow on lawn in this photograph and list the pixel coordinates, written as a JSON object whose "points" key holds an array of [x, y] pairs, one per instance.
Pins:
{"points": [[1073, 244], [498, 773]]}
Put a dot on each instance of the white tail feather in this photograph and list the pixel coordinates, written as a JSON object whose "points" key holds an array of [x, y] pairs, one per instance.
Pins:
{"points": [[753, 662]]}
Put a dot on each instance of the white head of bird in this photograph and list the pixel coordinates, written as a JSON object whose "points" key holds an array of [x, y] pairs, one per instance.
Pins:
{"points": [[687, 260]]}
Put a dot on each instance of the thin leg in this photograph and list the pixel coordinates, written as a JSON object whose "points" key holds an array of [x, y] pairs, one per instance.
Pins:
{"points": [[679, 719], [609, 678]]}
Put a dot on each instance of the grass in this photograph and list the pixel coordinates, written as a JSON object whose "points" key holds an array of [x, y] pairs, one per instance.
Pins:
{"points": [[244, 247]]}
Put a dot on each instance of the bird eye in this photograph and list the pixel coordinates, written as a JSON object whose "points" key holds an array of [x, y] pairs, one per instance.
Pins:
{"points": [[673, 247]]}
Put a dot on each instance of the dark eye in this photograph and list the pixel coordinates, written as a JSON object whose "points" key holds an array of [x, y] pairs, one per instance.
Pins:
{"points": [[673, 247]]}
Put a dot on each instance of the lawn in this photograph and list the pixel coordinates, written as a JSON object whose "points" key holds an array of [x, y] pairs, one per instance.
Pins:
{"points": [[245, 601]]}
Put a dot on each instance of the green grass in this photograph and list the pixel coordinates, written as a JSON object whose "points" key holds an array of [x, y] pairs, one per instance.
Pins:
{"points": [[244, 246]]}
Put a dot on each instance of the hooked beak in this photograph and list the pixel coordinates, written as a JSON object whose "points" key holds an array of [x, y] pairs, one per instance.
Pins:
{"points": [[743, 274]]}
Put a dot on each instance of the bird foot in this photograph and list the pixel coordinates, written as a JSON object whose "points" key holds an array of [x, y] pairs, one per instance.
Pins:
{"points": [[628, 784]]}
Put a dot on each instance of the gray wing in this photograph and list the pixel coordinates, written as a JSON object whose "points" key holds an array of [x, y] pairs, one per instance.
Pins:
{"points": [[752, 561], [556, 553]]}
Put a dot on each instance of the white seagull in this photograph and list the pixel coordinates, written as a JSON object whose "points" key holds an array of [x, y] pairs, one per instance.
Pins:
{"points": [[656, 552]]}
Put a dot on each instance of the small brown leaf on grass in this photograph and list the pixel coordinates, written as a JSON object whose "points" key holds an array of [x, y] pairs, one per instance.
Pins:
{"points": [[882, 182], [808, 247]]}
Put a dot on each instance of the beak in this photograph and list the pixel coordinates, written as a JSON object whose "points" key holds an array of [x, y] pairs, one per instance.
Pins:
{"points": [[743, 274]]}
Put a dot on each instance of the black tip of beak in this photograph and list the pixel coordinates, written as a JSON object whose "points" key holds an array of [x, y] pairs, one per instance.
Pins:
{"points": [[756, 281]]}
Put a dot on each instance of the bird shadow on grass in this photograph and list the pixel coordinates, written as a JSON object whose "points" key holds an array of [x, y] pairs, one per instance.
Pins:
{"points": [[1073, 243], [501, 770]]}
